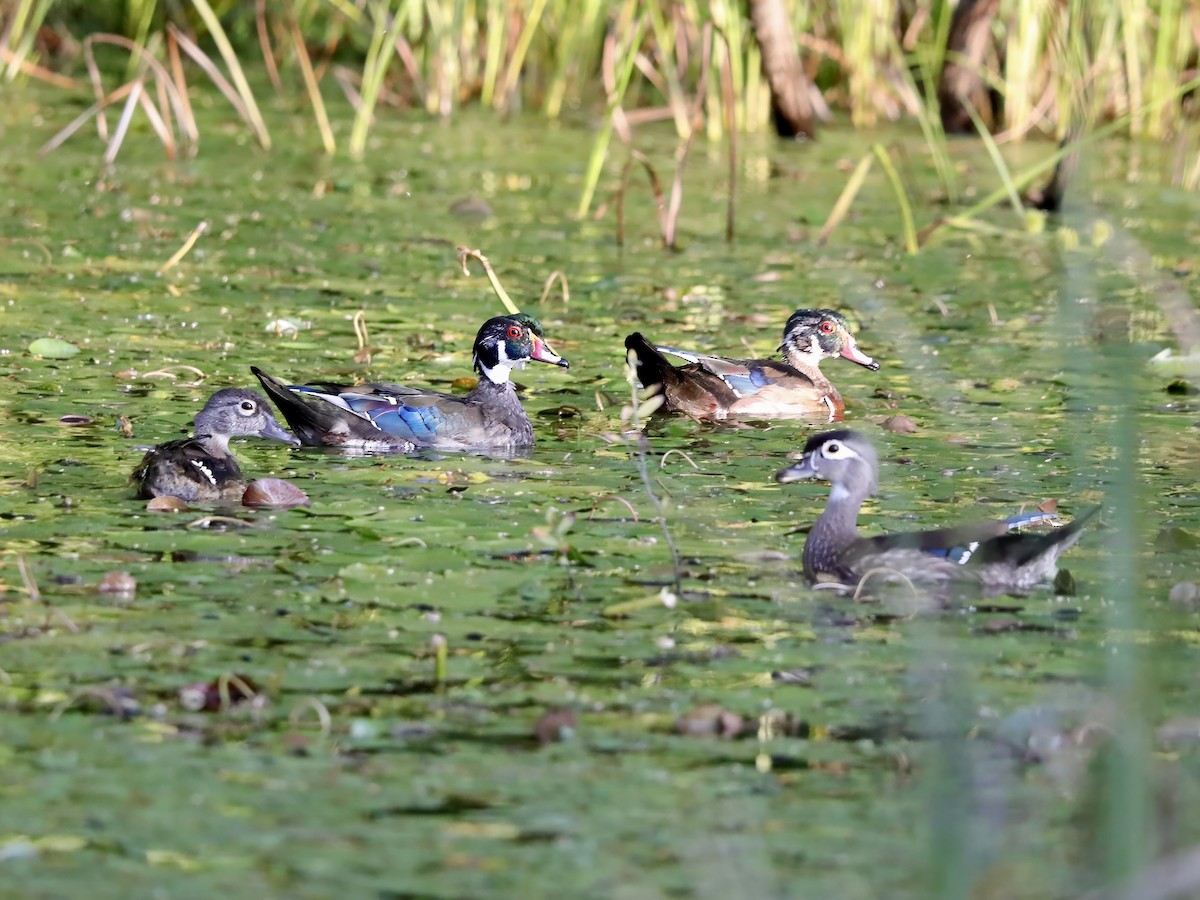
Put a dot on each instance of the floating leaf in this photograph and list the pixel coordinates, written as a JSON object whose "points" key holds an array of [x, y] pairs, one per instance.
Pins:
{"points": [[52, 348]]}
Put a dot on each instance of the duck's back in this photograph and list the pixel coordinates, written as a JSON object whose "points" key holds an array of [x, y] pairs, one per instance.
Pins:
{"points": [[185, 469]]}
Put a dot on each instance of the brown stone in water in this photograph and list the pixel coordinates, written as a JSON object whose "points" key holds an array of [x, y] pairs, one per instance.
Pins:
{"points": [[710, 720], [273, 493], [899, 425], [117, 583], [166, 504], [556, 725]]}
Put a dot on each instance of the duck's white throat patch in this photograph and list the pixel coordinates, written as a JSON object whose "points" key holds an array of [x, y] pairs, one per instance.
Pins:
{"points": [[498, 374]]}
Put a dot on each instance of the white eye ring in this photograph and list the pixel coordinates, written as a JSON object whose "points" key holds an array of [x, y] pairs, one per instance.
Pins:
{"points": [[247, 407], [833, 449]]}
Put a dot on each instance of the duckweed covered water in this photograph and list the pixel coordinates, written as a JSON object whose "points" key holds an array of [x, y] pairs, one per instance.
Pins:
{"points": [[577, 735]]}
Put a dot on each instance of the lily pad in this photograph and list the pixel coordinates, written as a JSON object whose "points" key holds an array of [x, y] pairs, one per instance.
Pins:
{"points": [[52, 348]]}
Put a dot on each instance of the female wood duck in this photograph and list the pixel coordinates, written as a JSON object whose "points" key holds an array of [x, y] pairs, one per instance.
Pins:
{"points": [[989, 553], [394, 418], [200, 469], [711, 387]]}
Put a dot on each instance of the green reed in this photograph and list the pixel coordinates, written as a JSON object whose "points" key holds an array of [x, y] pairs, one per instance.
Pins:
{"points": [[877, 59]]}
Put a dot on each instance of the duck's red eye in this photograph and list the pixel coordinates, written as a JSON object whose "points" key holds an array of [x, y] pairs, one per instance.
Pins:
{"points": [[514, 331], [827, 327]]}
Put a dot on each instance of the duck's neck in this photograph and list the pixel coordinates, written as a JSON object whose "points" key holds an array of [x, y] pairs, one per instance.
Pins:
{"points": [[808, 362], [503, 407], [835, 530], [214, 444]]}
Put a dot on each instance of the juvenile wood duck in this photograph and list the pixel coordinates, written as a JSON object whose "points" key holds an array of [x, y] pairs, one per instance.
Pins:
{"points": [[200, 469], [991, 554], [711, 387], [394, 418]]}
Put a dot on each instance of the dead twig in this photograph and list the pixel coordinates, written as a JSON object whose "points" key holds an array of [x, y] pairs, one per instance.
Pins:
{"points": [[183, 251], [27, 578], [554, 276], [322, 711], [599, 500], [360, 332], [465, 253]]}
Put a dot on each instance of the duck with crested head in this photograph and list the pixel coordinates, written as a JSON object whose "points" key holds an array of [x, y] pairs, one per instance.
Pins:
{"points": [[994, 555], [200, 469], [395, 418], [713, 387]]}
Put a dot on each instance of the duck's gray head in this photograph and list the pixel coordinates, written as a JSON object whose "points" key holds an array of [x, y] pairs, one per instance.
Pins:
{"points": [[844, 458], [236, 412], [505, 343], [812, 335]]}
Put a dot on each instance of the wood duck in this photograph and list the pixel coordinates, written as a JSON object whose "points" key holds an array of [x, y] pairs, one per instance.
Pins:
{"points": [[711, 387], [394, 418], [200, 469], [991, 554]]}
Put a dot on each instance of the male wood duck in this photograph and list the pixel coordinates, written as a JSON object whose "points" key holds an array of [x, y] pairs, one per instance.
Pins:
{"points": [[711, 387], [200, 469], [395, 418], [991, 554]]}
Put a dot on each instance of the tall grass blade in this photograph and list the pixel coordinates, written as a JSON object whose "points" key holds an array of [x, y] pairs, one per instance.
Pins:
{"points": [[1023, 58], [664, 40], [993, 151], [494, 51], [517, 60], [22, 31], [379, 56], [1024, 179], [187, 119], [624, 69], [929, 61], [264, 43], [118, 136], [676, 200], [845, 198], [1133, 27], [210, 69], [141, 18], [728, 92], [253, 116], [158, 124], [313, 89], [906, 216]]}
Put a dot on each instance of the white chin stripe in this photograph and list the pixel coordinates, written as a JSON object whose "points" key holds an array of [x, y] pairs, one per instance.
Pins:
{"points": [[498, 375], [838, 494]]}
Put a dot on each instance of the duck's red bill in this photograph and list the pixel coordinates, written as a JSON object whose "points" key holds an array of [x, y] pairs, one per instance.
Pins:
{"points": [[543, 353]]}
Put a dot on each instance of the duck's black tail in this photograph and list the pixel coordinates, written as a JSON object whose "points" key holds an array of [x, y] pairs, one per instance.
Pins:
{"points": [[310, 415], [1055, 542], [652, 367]]}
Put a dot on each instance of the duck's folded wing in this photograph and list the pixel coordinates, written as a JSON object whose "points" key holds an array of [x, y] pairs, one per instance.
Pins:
{"points": [[171, 467], [980, 543], [320, 415], [745, 377]]}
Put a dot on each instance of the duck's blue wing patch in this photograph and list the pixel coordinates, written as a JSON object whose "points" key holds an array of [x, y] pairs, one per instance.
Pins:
{"points": [[1031, 518], [748, 382], [388, 413], [961, 554]]}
